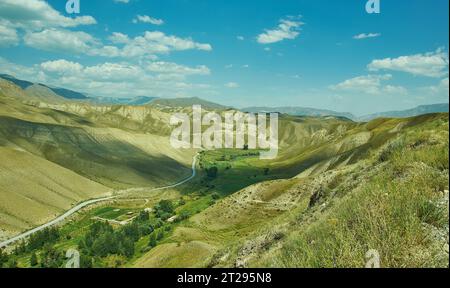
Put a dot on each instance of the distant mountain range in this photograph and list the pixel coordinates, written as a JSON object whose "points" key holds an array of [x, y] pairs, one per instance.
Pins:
{"points": [[135, 101], [302, 111], [419, 110], [55, 94], [65, 93], [188, 102], [299, 111]]}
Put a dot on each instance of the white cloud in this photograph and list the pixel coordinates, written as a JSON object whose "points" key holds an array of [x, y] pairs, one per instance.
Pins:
{"points": [[155, 42], [240, 38], [287, 29], [366, 35], [37, 14], [60, 40], [120, 79], [148, 19], [370, 84], [113, 72], [122, 1], [173, 68], [432, 64], [232, 85], [8, 36], [119, 38], [61, 66], [77, 42]]}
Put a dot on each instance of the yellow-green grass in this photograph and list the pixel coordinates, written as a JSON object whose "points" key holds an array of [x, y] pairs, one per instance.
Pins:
{"points": [[378, 202]]}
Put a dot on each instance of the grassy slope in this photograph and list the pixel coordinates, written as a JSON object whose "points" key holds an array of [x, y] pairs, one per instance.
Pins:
{"points": [[371, 194]]}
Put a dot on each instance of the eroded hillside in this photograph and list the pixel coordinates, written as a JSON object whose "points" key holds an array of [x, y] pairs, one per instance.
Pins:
{"points": [[59, 153]]}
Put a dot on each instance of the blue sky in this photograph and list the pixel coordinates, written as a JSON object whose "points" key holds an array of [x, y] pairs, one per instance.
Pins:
{"points": [[316, 53]]}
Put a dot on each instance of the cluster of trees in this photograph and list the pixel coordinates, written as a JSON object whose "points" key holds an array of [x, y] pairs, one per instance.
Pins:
{"points": [[42, 238], [38, 240], [50, 258], [102, 240], [164, 209]]}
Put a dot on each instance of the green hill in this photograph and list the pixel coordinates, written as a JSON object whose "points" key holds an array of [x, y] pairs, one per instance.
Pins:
{"points": [[347, 188]]}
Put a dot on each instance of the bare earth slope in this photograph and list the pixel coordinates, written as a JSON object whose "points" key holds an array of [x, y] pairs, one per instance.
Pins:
{"points": [[59, 154]]}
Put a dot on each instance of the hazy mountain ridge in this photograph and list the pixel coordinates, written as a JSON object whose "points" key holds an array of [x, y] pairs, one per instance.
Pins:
{"points": [[135, 101], [419, 110], [187, 102], [51, 95], [303, 111], [299, 111], [65, 93]]}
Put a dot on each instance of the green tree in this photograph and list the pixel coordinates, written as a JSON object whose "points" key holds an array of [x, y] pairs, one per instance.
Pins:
{"points": [[34, 260], [127, 248], [152, 241], [142, 217], [212, 172], [166, 206], [51, 258], [132, 231], [160, 235]]}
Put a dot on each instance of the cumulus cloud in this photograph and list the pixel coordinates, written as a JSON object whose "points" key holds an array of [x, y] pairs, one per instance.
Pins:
{"points": [[114, 79], [61, 67], [432, 64], [148, 19], [369, 84], [37, 14], [61, 40], [154, 42], [77, 42], [366, 35], [287, 29]]}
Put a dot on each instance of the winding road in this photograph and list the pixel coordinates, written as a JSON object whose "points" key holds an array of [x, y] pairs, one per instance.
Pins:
{"points": [[82, 205]]}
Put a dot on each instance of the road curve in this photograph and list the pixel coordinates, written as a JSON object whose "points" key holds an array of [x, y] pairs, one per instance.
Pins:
{"points": [[94, 201]]}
